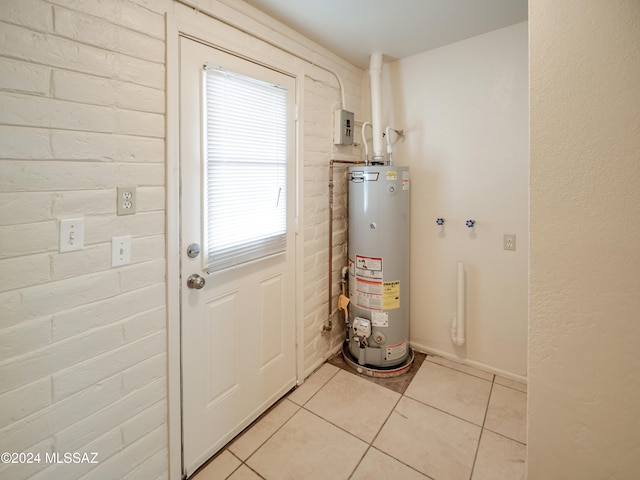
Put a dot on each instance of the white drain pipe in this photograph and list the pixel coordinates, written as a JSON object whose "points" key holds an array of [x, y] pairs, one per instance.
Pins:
{"points": [[457, 327], [375, 76]]}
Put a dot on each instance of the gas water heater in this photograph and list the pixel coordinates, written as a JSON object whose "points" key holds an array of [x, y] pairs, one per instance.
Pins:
{"points": [[378, 328]]}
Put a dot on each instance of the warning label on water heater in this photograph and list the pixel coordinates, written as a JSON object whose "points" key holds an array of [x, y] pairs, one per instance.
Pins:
{"points": [[369, 267], [391, 295], [397, 351], [368, 282]]}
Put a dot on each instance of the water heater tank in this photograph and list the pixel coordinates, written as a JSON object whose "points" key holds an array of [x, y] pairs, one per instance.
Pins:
{"points": [[379, 265]]}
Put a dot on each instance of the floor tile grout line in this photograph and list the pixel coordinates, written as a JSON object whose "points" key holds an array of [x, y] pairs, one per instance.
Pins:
{"points": [[461, 371], [355, 469], [505, 436], [387, 419], [334, 425], [510, 388], [403, 394], [484, 420], [443, 411], [486, 372], [299, 407], [267, 439], [319, 388], [370, 444], [240, 466], [254, 471]]}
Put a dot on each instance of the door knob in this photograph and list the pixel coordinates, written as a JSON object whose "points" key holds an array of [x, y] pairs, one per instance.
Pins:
{"points": [[195, 281]]}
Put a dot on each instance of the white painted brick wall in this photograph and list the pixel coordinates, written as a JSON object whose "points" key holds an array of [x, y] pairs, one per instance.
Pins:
{"points": [[83, 345], [34, 14], [25, 337], [95, 31]]}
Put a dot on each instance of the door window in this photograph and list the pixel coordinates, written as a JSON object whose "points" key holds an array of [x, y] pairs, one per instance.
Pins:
{"points": [[245, 148]]}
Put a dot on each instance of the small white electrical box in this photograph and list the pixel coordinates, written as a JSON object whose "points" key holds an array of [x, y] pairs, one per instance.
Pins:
{"points": [[343, 132]]}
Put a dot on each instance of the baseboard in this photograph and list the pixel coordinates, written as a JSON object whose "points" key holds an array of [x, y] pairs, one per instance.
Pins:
{"points": [[472, 363]]}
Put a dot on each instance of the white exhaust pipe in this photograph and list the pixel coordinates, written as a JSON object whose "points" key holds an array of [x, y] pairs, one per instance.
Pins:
{"points": [[375, 75]]}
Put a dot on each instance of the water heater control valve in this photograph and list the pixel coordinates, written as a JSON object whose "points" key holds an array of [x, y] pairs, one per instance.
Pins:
{"points": [[361, 327]]}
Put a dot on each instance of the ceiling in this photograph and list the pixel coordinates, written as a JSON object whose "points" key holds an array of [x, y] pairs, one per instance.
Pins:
{"points": [[397, 28]]}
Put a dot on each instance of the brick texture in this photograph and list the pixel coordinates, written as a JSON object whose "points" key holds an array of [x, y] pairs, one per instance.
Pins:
{"points": [[83, 354]]}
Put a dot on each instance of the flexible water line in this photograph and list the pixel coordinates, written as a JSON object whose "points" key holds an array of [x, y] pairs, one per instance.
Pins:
{"points": [[388, 130]]}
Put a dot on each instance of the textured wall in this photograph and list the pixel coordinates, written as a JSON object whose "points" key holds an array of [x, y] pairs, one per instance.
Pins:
{"points": [[83, 356], [464, 108], [584, 387]]}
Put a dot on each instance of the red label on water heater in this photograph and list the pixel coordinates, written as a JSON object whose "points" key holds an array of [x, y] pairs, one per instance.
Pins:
{"points": [[369, 287]]}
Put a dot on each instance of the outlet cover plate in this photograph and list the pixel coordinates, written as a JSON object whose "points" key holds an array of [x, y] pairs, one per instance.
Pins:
{"points": [[509, 241], [71, 235], [127, 200]]}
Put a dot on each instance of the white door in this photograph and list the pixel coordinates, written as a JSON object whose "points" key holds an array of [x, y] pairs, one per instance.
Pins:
{"points": [[238, 330]]}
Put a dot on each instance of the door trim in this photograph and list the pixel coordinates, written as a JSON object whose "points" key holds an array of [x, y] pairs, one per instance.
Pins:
{"points": [[196, 28]]}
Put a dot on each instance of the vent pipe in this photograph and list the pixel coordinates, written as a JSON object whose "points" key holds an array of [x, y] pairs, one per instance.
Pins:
{"points": [[375, 74]]}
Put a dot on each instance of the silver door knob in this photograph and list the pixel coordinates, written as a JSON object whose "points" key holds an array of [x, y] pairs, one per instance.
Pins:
{"points": [[195, 281]]}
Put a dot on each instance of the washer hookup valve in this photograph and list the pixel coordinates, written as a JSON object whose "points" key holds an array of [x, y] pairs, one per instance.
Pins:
{"points": [[440, 221], [470, 223]]}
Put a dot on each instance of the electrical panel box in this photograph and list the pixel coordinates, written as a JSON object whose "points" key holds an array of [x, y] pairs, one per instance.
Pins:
{"points": [[343, 132]]}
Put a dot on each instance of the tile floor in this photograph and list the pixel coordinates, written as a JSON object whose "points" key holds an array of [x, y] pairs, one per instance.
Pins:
{"points": [[449, 422]]}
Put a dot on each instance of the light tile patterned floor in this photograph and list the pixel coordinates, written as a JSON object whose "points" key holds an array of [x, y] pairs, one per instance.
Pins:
{"points": [[452, 422]]}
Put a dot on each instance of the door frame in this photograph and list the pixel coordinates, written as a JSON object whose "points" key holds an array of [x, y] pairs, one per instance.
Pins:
{"points": [[199, 27]]}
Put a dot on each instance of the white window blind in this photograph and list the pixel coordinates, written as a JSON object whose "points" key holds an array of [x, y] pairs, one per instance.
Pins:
{"points": [[245, 132]]}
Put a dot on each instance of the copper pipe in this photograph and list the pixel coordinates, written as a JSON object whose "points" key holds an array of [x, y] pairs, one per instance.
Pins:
{"points": [[329, 325]]}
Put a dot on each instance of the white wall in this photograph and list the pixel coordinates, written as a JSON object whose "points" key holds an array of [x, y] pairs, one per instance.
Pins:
{"points": [[83, 354], [584, 360], [464, 110]]}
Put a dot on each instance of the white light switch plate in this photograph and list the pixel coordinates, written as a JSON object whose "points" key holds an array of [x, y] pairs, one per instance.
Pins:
{"points": [[71, 235], [120, 251]]}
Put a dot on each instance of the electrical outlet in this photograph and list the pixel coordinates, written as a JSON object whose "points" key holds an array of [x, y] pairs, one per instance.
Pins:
{"points": [[509, 241], [126, 200]]}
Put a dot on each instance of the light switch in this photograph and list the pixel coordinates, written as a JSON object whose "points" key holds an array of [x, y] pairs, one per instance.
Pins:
{"points": [[71, 235], [120, 251]]}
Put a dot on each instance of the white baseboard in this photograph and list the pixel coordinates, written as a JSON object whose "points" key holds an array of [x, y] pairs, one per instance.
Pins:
{"points": [[472, 363]]}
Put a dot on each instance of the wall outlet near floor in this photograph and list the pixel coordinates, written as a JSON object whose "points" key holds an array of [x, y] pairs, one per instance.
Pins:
{"points": [[126, 200], [509, 241], [120, 251]]}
